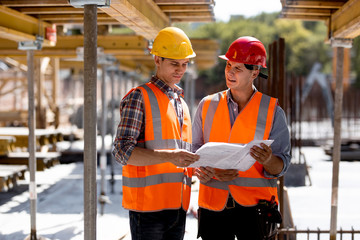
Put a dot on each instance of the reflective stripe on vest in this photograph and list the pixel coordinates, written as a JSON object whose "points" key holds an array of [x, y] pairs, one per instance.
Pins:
{"points": [[160, 186], [157, 141], [243, 182], [156, 179], [253, 122], [260, 123]]}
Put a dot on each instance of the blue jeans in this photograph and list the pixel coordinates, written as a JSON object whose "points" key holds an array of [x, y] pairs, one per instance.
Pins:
{"points": [[163, 225]]}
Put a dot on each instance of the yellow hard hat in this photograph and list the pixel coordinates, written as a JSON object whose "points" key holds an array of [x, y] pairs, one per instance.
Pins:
{"points": [[172, 42]]}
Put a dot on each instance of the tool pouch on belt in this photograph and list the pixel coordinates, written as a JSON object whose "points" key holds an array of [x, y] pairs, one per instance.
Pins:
{"points": [[268, 218]]}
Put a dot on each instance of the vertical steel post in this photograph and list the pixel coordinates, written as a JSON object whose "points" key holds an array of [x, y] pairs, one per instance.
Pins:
{"points": [[340, 44], [103, 157], [337, 141], [31, 146], [55, 89], [112, 127], [90, 117]]}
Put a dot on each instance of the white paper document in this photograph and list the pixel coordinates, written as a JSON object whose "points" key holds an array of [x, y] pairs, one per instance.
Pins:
{"points": [[227, 155]]}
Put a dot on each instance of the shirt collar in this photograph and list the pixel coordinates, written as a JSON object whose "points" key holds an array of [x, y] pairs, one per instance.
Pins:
{"points": [[229, 97], [165, 87]]}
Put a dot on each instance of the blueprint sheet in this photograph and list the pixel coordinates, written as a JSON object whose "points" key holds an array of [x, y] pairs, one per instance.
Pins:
{"points": [[227, 155]]}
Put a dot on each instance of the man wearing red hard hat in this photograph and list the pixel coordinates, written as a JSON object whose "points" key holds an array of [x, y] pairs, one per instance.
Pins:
{"points": [[241, 203]]}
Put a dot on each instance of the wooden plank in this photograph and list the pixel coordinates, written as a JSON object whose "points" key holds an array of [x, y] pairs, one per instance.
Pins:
{"points": [[50, 10], [315, 4], [144, 17], [304, 17], [10, 174], [345, 22], [179, 2], [17, 26], [53, 18], [192, 15], [14, 35], [13, 116], [193, 19], [21, 135], [307, 11], [6, 144], [27, 3], [43, 160], [14, 169], [123, 45], [186, 8]]}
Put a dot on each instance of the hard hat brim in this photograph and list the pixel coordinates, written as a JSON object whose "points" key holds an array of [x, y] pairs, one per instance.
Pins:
{"points": [[177, 58], [223, 57]]}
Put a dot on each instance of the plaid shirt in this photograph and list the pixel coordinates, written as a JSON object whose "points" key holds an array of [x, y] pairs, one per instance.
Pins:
{"points": [[131, 128]]}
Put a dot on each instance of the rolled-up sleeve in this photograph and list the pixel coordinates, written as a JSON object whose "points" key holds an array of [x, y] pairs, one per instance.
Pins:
{"points": [[130, 126], [281, 145]]}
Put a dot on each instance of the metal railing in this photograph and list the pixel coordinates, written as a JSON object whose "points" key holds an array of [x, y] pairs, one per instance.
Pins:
{"points": [[295, 234]]}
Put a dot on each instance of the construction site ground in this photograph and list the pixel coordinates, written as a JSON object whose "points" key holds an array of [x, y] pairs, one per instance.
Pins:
{"points": [[60, 202]]}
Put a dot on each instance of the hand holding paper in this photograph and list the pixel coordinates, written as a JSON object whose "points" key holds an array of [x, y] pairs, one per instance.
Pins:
{"points": [[227, 155]]}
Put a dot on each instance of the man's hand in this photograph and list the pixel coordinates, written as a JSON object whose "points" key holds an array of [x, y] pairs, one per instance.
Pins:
{"points": [[226, 174], [261, 154], [271, 163], [182, 158], [204, 174]]}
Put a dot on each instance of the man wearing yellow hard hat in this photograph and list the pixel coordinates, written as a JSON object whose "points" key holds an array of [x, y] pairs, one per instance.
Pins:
{"points": [[153, 142]]}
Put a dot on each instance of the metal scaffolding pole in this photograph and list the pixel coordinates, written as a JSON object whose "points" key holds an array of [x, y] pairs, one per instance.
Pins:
{"points": [[90, 157], [32, 147], [112, 125], [339, 44], [103, 157], [30, 46]]}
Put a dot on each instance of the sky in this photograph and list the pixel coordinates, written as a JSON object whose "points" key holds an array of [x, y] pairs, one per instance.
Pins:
{"points": [[225, 8]]}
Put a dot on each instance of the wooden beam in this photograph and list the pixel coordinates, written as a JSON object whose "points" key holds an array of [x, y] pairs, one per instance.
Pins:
{"points": [[50, 10], [205, 44], [193, 19], [15, 64], [335, 4], [186, 8], [180, 2], [80, 22], [304, 17], [129, 49], [14, 35], [191, 15], [307, 11], [142, 16], [17, 26], [125, 65], [66, 46], [345, 22], [32, 3], [70, 17]]}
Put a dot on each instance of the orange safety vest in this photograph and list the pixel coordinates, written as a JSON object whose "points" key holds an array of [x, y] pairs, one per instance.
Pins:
{"points": [[159, 186], [253, 122]]}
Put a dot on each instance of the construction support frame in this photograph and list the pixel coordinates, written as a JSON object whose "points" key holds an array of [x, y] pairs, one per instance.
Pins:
{"points": [[340, 44], [90, 152]]}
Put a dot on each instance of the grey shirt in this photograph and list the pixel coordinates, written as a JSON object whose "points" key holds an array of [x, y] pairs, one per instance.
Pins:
{"points": [[279, 132]]}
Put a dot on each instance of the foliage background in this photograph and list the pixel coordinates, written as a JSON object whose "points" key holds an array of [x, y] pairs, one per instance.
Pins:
{"points": [[305, 44]]}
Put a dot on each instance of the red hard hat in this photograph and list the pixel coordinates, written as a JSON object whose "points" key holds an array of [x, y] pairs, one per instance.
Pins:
{"points": [[247, 50]]}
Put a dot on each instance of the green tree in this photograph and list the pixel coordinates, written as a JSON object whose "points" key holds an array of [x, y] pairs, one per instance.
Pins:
{"points": [[304, 41]]}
